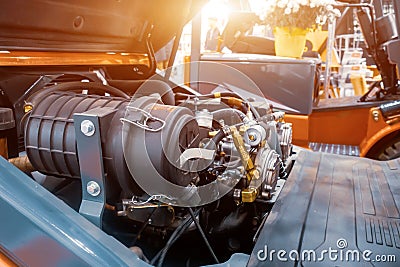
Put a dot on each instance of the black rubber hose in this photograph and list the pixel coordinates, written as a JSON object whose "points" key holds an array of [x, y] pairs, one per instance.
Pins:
{"points": [[219, 136], [243, 106], [77, 86], [390, 109], [228, 113]]}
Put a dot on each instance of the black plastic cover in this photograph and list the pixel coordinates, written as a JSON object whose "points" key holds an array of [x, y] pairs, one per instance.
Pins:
{"points": [[286, 81], [91, 25], [342, 203]]}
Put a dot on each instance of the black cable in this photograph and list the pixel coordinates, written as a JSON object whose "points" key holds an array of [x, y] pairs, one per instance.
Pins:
{"points": [[202, 234], [174, 236], [171, 241], [143, 226]]}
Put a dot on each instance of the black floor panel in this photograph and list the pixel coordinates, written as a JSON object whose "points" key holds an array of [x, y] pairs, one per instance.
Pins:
{"points": [[332, 210]]}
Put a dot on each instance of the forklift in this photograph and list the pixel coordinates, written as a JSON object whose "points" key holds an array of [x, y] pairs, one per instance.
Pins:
{"points": [[366, 126]]}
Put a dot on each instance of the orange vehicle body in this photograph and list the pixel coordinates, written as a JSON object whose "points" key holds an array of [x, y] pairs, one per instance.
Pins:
{"points": [[35, 58], [357, 125]]}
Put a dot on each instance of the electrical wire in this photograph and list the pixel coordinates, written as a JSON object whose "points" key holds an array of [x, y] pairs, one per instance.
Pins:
{"points": [[160, 256], [143, 226], [196, 222]]}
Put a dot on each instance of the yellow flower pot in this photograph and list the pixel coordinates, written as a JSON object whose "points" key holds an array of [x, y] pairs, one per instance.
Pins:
{"points": [[289, 42]]}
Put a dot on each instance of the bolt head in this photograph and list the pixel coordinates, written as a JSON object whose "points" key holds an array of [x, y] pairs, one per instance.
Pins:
{"points": [[375, 115], [87, 128], [93, 188]]}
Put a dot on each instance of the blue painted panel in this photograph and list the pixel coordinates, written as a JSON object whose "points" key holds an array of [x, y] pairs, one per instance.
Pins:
{"points": [[41, 230]]}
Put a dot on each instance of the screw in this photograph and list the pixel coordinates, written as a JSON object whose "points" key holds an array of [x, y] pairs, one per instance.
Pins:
{"points": [[87, 128], [93, 188]]}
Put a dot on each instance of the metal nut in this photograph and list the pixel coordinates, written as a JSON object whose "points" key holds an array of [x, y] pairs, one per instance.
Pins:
{"points": [[87, 128], [93, 188]]}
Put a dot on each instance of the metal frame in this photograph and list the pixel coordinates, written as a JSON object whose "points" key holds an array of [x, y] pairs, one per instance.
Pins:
{"points": [[88, 138]]}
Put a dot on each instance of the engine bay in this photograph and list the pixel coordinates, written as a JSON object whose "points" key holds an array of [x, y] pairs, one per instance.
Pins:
{"points": [[159, 166], [106, 161]]}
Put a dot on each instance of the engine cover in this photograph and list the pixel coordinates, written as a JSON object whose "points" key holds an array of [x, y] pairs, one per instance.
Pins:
{"points": [[51, 142]]}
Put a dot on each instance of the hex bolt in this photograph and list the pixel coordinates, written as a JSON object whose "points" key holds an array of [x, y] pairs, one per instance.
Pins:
{"points": [[93, 188], [87, 128]]}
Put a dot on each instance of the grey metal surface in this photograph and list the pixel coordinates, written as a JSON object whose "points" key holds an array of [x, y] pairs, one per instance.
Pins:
{"points": [[287, 81], [338, 149], [41, 230]]}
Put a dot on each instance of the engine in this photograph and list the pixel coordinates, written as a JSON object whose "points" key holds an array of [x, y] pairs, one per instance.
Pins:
{"points": [[159, 157]]}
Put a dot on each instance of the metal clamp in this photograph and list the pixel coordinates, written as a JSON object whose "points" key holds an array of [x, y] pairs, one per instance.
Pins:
{"points": [[143, 124], [153, 197]]}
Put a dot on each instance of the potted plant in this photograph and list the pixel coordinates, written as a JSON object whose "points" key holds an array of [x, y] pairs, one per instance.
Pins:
{"points": [[292, 19]]}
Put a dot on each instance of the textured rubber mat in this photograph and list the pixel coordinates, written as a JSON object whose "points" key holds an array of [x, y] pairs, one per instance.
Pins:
{"points": [[335, 149], [334, 211]]}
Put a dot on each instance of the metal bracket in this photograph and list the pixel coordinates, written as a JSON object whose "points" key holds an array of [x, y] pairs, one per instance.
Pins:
{"points": [[88, 140]]}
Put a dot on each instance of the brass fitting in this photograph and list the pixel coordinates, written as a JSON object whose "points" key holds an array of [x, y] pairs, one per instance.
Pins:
{"points": [[28, 107], [244, 156], [249, 195]]}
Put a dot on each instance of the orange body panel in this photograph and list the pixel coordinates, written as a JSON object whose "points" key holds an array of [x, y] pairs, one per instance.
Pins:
{"points": [[347, 127], [358, 126], [338, 126], [300, 129], [33, 58]]}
